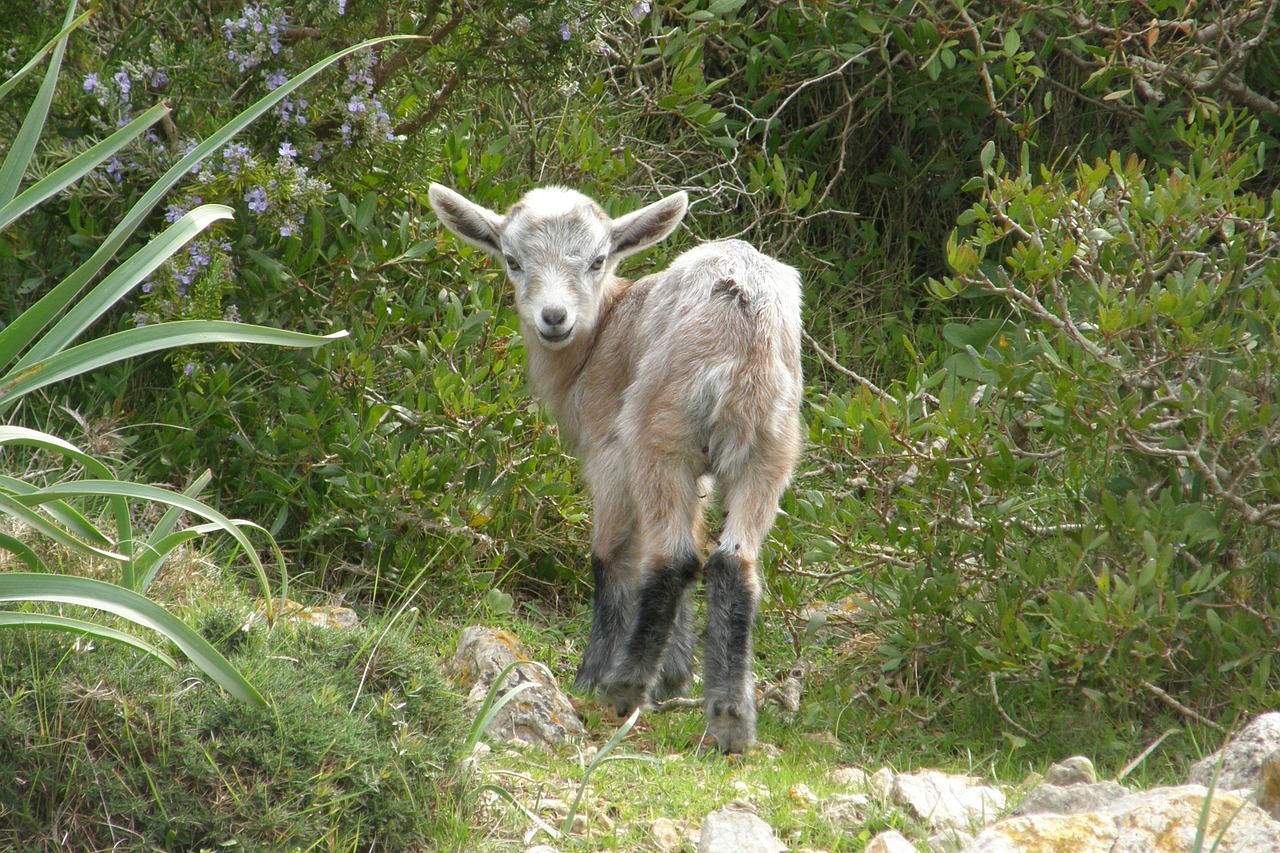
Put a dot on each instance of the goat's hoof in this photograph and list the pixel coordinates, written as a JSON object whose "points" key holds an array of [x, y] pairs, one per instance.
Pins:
{"points": [[625, 698], [732, 724]]}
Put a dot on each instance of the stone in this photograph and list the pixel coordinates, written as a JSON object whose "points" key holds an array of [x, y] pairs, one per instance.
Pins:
{"points": [[943, 801], [1162, 820], [1071, 799], [949, 841], [322, 616], [1267, 795], [665, 835], [542, 848], [880, 783], [541, 715], [850, 777], [845, 812], [731, 830], [890, 842], [1076, 770], [1242, 757]]}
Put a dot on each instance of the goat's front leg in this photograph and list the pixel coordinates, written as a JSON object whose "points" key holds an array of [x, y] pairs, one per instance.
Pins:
{"points": [[659, 605], [612, 605]]}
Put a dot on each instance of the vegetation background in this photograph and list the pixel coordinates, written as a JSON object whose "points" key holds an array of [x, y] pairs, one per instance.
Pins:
{"points": [[1038, 509]]}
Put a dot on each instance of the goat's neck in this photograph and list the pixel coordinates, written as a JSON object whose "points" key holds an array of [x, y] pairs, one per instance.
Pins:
{"points": [[557, 374]]}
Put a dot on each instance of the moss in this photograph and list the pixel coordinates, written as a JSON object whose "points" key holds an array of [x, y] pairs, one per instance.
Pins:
{"points": [[109, 749]]}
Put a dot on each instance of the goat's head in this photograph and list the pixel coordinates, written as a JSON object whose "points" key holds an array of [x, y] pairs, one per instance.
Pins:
{"points": [[559, 249]]}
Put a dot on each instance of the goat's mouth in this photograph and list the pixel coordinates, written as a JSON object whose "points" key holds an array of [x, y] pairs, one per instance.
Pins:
{"points": [[557, 339]]}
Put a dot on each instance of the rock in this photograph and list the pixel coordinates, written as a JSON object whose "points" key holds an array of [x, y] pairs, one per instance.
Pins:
{"points": [[1076, 770], [949, 841], [665, 835], [943, 801], [890, 842], [803, 795], [1163, 820], [845, 812], [1072, 799], [322, 616], [880, 783], [730, 830], [542, 848], [1267, 795], [1242, 757], [540, 715], [851, 777]]}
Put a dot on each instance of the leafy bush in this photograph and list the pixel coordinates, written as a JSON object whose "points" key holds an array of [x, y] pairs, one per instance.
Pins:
{"points": [[1080, 503], [105, 750]]}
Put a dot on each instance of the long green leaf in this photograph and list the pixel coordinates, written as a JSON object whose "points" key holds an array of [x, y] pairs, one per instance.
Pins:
{"points": [[82, 164], [244, 524], [24, 329], [154, 494], [11, 619], [123, 279], [24, 551], [87, 592], [8, 85], [59, 511], [17, 507], [158, 546], [54, 444], [147, 339], [24, 144]]}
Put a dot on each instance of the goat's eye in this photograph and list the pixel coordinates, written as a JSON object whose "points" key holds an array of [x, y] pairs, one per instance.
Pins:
{"points": [[511, 263], [598, 263]]}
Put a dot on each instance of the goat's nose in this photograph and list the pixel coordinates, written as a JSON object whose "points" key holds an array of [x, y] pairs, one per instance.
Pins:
{"points": [[554, 315]]}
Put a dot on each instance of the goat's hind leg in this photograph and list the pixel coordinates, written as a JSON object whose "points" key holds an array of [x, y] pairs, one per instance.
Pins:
{"points": [[733, 597]]}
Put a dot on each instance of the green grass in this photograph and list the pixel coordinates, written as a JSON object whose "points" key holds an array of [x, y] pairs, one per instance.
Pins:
{"points": [[356, 749]]}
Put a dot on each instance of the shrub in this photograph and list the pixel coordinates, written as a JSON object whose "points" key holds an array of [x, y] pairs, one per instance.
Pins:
{"points": [[104, 750], [1080, 502]]}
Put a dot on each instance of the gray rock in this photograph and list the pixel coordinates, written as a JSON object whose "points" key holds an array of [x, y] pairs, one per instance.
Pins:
{"points": [[943, 801], [890, 842], [1073, 799], [731, 830], [540, 715], [1267, 795], [845, 812], [851, 777], [1242, 757], [1076, 770], [949, 841], [1163, 820]]}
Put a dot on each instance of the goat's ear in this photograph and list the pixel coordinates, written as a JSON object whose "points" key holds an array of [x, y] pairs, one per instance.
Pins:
{"points": [[648, 225], [474, 224]]}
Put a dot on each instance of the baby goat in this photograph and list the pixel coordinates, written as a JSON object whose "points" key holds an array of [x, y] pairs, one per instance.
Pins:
{"points": [[657, 384]]}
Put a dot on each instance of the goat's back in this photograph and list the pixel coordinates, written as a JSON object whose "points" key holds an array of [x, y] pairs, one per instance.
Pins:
{"points": [[711, 348]]}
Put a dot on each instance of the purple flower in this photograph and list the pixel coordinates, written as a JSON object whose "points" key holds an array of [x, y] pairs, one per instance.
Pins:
{"points": [[189, 369], [565, 32], [317, 151], [159, 78], [257, 199], [288, 228], [122, 80], [286, 150], [146, 288], [173, 213], [640, 9], [276, 79], [355, 105], [91, 82]]}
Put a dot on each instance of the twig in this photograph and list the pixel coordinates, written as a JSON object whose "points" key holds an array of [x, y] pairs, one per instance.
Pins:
{"points": [[1180, 708], [829, 359], [995, 695]]}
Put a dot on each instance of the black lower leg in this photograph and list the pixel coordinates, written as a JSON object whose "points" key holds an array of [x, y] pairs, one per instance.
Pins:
{"points": [[729, 691], [657, 607], [677, 663], [609, 625]]}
